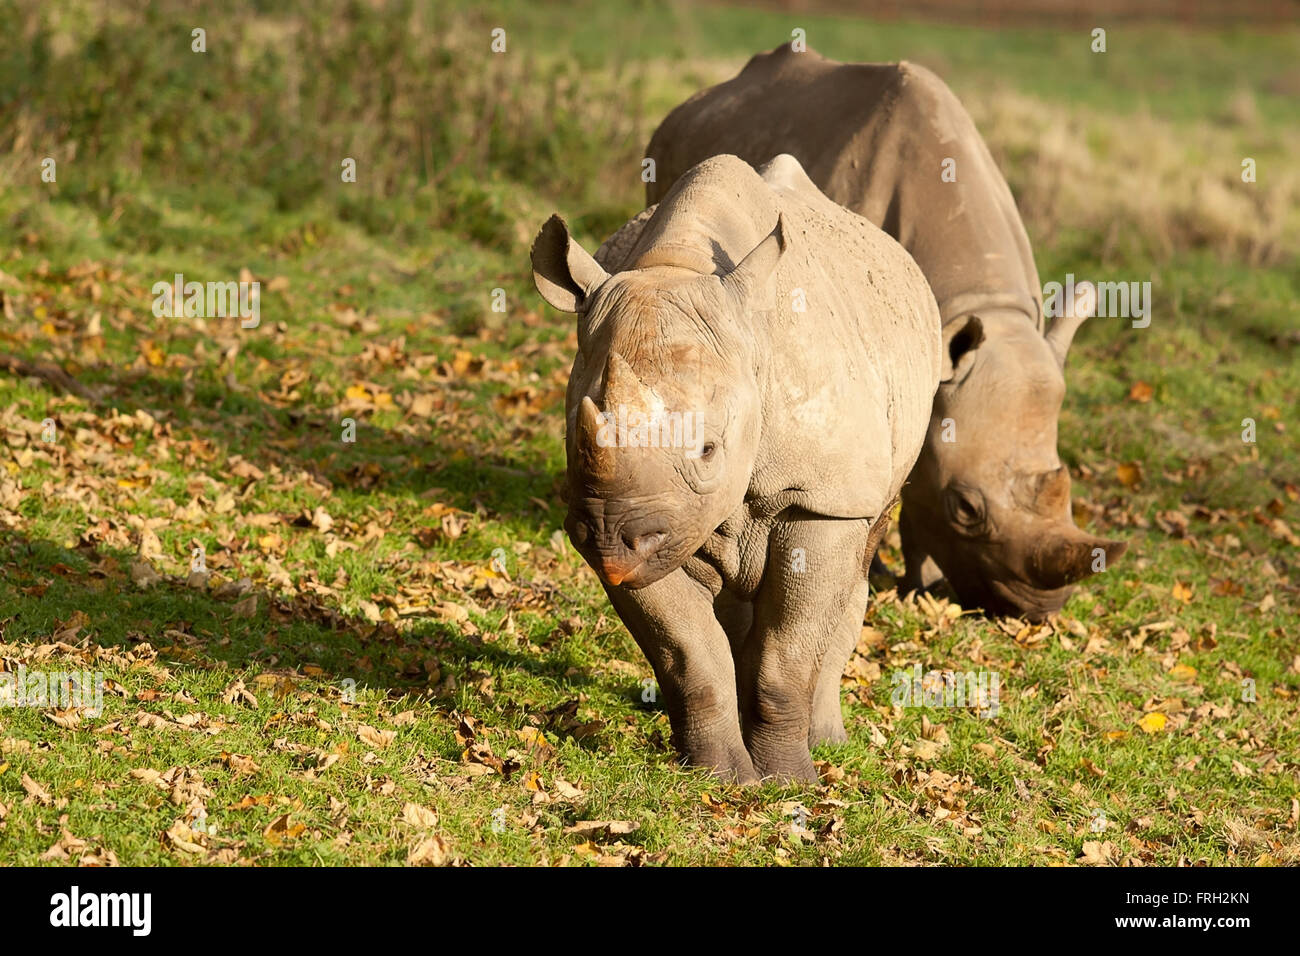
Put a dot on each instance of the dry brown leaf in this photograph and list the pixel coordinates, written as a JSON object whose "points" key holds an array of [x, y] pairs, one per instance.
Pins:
{"points": [[419, 816], [379, 739], [36, 792], [430, 851]]}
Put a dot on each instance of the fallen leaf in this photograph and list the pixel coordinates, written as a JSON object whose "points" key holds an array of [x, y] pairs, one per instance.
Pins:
{"points": [[1129, 474], [379, 739], [36, 792], [419, 816], [1153, 722], [1140, 392], [430, 851], [607, 828]]}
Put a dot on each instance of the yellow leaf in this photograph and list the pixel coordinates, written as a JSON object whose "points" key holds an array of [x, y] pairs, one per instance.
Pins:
{"points": [[1183, 672], [1129, 474], [1153, 722], [1183, 592], [358, 392]]}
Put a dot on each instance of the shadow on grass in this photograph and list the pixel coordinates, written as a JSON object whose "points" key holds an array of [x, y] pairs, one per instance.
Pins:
{"points": [[473, 476], [43, 586]]}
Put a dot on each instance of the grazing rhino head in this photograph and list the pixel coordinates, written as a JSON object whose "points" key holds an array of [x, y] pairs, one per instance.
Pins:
{"points": [[663, 403], [989, 499]]}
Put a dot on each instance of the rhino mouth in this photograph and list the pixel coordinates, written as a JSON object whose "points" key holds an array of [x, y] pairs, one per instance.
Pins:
{"points": [[620, 574], [1020, 599]]}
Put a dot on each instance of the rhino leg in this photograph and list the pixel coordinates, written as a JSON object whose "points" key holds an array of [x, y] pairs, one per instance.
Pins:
{"points": [[798, 617], [672, 622], [919, 570], [736, 615], [827, 718]]}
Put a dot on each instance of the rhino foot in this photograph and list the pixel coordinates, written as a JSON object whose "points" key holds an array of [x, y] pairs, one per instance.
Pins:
{"points": [[793, 769], [829, 734], [731, 764]]}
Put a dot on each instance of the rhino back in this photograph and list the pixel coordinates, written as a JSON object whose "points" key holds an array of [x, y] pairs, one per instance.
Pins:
{"points": [[869, 341], [874, 138]]}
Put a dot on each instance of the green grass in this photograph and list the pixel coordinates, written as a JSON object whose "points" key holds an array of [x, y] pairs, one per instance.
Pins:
{"points": [[387, 291]]}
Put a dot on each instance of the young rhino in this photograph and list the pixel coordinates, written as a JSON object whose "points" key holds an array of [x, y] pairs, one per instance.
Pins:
{"points": [[751, 388], [989, 500]]}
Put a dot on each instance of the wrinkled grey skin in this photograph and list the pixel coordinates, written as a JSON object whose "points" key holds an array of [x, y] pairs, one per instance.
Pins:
{"points": [[991, 506], [740, 565]]}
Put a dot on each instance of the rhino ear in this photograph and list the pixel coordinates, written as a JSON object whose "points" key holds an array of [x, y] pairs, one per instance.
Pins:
{"points": [[1068, 555], [960, 338], [565, 274], [1061, 334], [744, 281]]}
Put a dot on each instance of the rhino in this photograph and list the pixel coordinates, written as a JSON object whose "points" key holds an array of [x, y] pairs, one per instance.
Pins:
{"points": [[804, 344], [988, 503]]}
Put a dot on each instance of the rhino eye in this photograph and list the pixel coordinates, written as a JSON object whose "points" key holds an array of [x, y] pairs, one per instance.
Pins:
{"points": [[707, 451], [966, 511]]}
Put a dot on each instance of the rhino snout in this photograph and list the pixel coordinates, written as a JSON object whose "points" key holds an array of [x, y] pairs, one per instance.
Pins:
{"points": [[626, 562], [623, 555]]}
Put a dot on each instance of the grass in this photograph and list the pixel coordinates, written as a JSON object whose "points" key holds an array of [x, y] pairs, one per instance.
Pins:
{"points": [[355, 682]]}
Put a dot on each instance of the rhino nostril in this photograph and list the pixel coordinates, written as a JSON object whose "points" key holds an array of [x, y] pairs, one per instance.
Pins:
{"points": [[643, 544]]}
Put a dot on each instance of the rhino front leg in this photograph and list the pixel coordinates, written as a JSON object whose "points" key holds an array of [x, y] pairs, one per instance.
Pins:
{"points": [[799, 617], [672, 622]]}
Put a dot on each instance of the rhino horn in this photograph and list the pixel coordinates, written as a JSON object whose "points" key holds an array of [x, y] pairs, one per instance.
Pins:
{"points": [[1053, 492], [623, 387], [1068, 554], [597, 458], [1061, 334]]}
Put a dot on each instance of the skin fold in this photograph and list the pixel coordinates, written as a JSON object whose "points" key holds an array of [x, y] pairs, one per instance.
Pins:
{"points": [[988, 503], [806, 344]]}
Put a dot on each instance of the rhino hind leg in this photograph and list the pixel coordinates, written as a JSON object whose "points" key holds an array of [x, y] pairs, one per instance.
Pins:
{"points": [[920, 572], [827, 725]]}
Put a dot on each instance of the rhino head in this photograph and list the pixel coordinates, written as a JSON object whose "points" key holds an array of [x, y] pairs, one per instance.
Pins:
{"points": [[663, 403], [989, 499]]}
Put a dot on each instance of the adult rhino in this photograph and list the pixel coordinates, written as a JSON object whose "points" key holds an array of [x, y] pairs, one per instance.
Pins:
{"points": [[803, 344], [989, 500]]}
